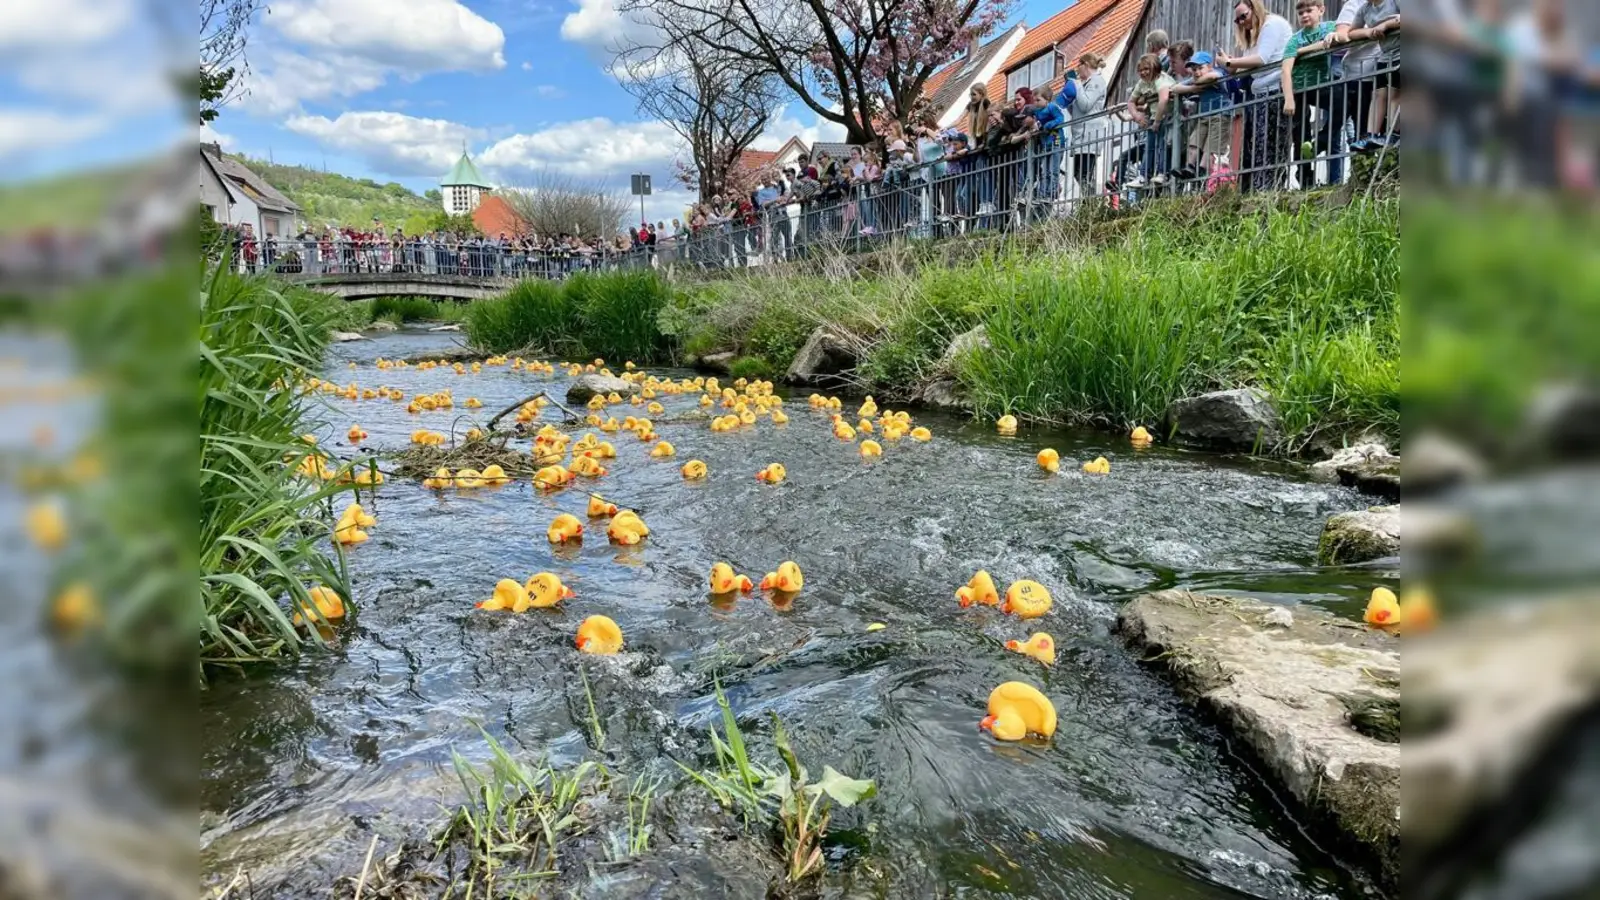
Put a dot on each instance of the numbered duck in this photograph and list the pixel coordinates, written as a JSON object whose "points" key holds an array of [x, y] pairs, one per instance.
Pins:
{"points": [[546, 590], [1026, 600]]}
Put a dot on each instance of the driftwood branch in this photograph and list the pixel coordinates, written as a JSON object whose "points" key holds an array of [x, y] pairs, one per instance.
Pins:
{"points": [[571, 416]]}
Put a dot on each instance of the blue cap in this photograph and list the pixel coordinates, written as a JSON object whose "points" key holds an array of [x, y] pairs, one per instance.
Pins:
{"points": [[1200, 59]]}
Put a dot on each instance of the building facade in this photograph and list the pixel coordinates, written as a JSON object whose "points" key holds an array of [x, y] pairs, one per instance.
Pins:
{"points": [[463, 189]]}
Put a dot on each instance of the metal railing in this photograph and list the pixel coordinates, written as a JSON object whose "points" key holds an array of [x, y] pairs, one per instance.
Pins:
{"points": [[1241, 138]]}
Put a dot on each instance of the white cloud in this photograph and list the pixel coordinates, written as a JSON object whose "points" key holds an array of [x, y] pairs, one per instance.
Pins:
{"points": [[784, 126], [527, 66], [327, 49], [550, 92], [28, 131], [589, 148], [597, 26], [415, 36], [60, 24], [392, 143], [209, 135]]}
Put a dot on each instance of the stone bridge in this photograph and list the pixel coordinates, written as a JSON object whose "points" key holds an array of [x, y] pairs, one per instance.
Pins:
{"points": [[365, 285]]}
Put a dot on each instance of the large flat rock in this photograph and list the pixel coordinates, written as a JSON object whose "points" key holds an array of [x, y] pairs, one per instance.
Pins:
{"points": [[1243, 419], [1314, 697], [585, 387], [1360, 535]]}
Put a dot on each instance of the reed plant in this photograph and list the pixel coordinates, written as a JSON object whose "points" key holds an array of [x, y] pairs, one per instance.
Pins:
{"points": [[263, 531], [402, 310], [612, 315]]}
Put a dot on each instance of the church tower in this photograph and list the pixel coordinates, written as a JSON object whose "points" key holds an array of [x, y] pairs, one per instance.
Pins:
{"points": [[463, 188]]}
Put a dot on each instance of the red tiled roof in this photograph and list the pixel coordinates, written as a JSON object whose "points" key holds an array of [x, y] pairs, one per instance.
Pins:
{"points": [[1097, 25], [495, 215], [754, 159]]}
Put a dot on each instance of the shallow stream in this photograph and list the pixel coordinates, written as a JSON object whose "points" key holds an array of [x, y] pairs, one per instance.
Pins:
{"points": [[1137, 796]]}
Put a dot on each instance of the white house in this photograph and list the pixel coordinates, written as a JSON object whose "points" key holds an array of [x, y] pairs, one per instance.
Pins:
{"points": [[947, 89], [237, 196], [463, 188]]}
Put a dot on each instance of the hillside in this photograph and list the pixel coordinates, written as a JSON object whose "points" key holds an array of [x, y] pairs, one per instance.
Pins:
{"points": [[330, 198]]}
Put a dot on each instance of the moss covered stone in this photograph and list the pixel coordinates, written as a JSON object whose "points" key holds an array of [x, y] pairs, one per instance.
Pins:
{"points": [[1360, 536]]}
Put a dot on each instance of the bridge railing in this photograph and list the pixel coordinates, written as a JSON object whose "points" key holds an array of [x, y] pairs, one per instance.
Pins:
{"points": [[312, 258]]}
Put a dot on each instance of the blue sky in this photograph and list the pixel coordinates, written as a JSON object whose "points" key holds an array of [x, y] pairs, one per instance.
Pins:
{"points": [[386, 89]]}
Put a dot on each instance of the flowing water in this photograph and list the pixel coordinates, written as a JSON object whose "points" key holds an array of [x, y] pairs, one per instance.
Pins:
{"points": [[1137, 796]]}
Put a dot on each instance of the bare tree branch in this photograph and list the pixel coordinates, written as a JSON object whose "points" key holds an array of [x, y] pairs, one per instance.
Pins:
{"points": [[551, 204]]}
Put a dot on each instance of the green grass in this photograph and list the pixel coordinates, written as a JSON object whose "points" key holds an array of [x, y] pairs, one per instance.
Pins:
{"points": [[401, 310], [752, 367], [264, 531], [611, 315]]}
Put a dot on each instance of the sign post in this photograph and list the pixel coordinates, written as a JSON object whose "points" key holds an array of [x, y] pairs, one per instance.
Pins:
{"points": [[641, 189]]}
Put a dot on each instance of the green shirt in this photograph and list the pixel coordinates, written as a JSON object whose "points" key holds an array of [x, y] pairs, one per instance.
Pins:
{"points": [[1313, 70]]}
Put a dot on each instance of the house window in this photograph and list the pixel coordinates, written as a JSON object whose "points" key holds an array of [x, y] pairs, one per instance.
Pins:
{"points": [[1040, 70], [269, 224]]}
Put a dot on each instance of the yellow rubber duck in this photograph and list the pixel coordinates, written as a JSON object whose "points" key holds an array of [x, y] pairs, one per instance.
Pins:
{"points": [[864, 426], [1098, 466], [75, 608], [1040, 646], [1017, 710], [705, 400], [871, 448], [598, 634], [47, 526], [355, 435], [725, 581], [1140, 438], [693, 469], [548, 478], [1026, 600], [774, 473], [1383, 609], [1417, 609], [565, 527], [440, 479], [473, 402], [508, 595], [655, 409], [493, 474], [327, 603], [627, 528], [843, 431], [980, 589], [1007, 424], [1049, 460], [588, 467], [474, 434], [787, 579], [868, 409], [920, 433], [599, 507], [662, 449], [469, 478], [779, 417], [546, 590], [367, 478]]}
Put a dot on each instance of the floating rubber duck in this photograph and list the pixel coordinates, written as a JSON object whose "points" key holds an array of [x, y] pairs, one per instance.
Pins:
{"points": [[843, 431], [493, 474], [469, 478], [705, 400], [663, 449], [588, 467], [75, 608], [350, 525], [598, 634], [870, 448], [1026, 600], [565, 527], [787, 579], [693, 469], [920, 433], [1098, 466], [1417, 609], [864, 426], [326, 601], [473, 402], [869, 408], [774, 473], [655, 409], [546, 590], [1049, 460], [1007, 424], [725, 581], [548, 478], [599, 507], [47, 526], [367, 478], [439, 480], [627, 528], [980, 589], [1140, 438], [1017, 710], [508, 595], [1383, 609], [779, 418], [1040, 645], [474, 434], [355, 435]]}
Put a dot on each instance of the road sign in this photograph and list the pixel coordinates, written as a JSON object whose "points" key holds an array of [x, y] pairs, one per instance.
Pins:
{"points": [[641, 185]]}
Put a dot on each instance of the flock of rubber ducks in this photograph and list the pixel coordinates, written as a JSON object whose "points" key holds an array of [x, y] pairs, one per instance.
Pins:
{"points": [[1016, 710]]}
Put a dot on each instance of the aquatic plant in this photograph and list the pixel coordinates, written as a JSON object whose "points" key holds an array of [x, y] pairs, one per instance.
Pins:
{"points": [[401, 310], [262, 530], [516, 816], [610, 315], [800, 809]]}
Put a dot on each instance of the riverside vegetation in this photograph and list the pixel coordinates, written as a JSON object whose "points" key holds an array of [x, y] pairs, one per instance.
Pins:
{"points": [[1105, 327]]}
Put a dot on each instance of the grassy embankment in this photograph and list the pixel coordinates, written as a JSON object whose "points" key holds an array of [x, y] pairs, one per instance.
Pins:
{"points": [[355, 315], [1105, 326]]}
